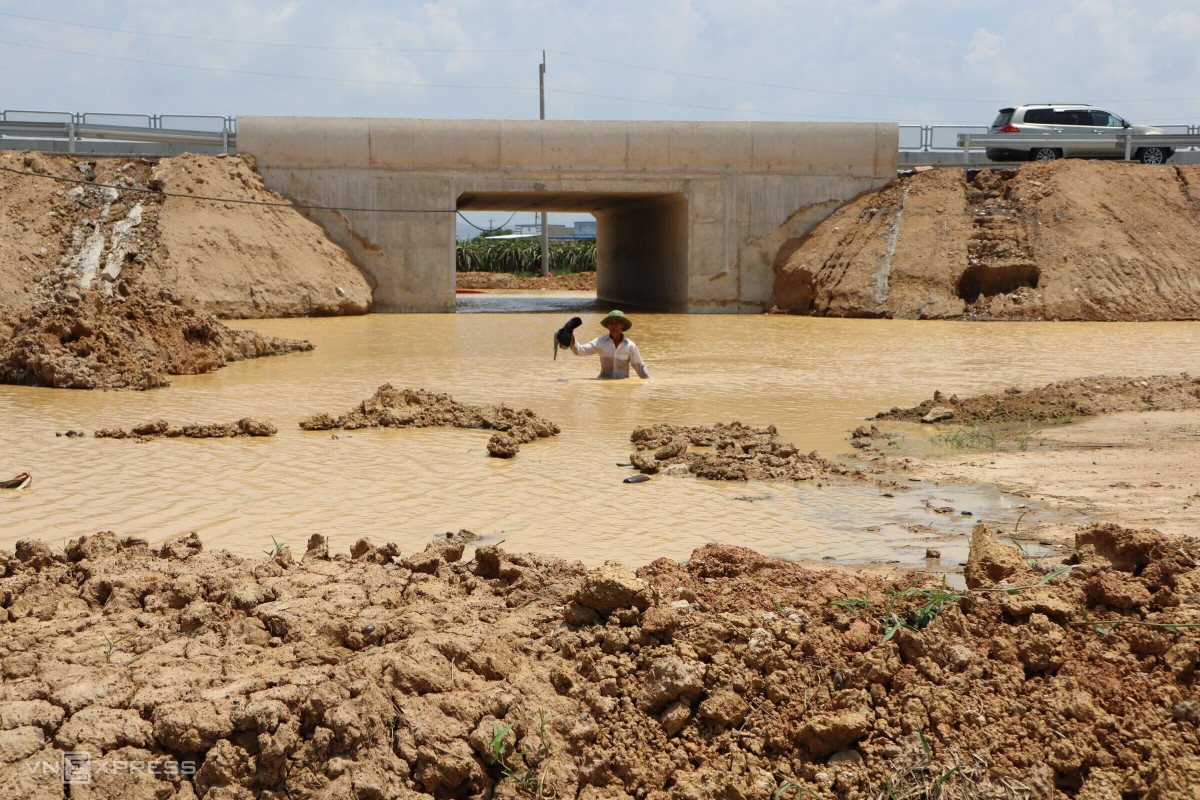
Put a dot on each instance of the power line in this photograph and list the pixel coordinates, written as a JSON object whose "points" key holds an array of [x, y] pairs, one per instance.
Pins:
{"points": [[266, 44], [238, 200], [592, 95], [266, 74], [564, 53]]}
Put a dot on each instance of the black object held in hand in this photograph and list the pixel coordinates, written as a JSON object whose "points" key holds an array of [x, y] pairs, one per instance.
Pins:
{"points": [[563, 336]]}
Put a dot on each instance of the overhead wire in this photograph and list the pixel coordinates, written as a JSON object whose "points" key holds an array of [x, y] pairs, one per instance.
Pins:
{"points": [[562, 53], [237, 200]]}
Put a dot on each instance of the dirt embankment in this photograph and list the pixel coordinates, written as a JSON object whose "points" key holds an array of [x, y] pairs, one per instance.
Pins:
{"points": [[1063, 400], [74, 222], [112, 271], [380, 674], [1066, 240], [1130, 455]]}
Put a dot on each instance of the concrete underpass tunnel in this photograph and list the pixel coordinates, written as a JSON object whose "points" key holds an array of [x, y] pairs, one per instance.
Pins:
{"points": [[641, 240]]}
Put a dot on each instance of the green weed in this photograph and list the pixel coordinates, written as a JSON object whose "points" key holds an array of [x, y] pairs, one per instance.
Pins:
{"points": [[110, 645], [1106, 626], [933, 601], [515, 768], [851, 604], [276, 548]]}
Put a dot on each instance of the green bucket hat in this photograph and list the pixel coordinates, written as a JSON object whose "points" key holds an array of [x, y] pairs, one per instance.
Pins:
{"points": [[625, 323]]}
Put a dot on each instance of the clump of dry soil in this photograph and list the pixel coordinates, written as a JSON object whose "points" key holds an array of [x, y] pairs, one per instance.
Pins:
{"points": [[380, 674], [416, 408], [132, 339], [1077, 397], [145, 431], [1066, 240], [738, 452]]}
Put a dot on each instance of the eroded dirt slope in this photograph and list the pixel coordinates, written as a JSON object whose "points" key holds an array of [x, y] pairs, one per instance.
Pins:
{"points": [[81, 220], [1066, 240], [380, 674]]}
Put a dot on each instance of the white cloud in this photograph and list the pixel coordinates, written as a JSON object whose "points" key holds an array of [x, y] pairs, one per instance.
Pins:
{"points": [[928, 61]]}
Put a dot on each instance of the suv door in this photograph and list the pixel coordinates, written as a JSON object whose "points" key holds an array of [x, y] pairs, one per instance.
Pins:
{"points": [[1078, 122], [1107, 126]]}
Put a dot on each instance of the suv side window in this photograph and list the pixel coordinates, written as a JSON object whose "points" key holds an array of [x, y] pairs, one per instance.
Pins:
{"points": [[1104, 119], [1039, 116], [1073, 117]]}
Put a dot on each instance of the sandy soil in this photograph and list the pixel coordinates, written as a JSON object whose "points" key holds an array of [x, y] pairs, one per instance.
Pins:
{"points": [[1133, 456], [1068, 240]]}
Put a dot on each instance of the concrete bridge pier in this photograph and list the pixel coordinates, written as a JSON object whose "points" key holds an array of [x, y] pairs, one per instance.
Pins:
{"points": [[690, 215]]}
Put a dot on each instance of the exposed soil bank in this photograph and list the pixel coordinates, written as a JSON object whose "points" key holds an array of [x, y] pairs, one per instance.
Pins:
{"points": [[1065, 240], [133, 339], [1130, 455], [73, 222], [1078, 397], [112, 270], [387, 675]]}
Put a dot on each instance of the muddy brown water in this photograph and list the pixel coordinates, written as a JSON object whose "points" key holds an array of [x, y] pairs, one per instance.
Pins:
{"points": [[814, 379]]}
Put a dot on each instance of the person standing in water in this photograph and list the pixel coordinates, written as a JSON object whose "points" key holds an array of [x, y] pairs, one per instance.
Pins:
{"points": [[617, 351]]}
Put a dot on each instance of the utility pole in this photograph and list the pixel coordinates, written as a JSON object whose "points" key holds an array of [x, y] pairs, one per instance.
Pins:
{"points": [[542, 115]]}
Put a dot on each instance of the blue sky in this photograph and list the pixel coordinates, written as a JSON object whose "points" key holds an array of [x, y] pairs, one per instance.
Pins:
{"points": [[909, 61]]}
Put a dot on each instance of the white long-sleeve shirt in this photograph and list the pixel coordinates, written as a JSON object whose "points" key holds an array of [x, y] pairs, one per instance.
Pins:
{"points": [[615, 359]]}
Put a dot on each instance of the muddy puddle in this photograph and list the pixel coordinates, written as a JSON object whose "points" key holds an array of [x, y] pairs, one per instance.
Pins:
{"points": [[814, 379]]}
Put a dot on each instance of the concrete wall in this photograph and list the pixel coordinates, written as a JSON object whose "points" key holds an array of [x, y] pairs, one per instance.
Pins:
{"points": [[690, 214]]}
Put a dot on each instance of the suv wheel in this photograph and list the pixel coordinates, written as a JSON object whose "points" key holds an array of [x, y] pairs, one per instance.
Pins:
{"points": [[1044, 154], [1151, 155]]}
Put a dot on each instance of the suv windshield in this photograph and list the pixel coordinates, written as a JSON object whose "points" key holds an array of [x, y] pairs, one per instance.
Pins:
{"points": [[1004, 118]]}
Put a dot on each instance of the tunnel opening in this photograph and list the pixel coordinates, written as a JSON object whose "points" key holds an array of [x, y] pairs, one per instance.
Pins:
{"points": [[641, 239], [983, 281]]}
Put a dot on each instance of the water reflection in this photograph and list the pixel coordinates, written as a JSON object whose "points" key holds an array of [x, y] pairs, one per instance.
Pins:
{"points": [[815, 379]]}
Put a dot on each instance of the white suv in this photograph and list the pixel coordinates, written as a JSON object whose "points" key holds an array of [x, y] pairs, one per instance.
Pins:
{"points": [[1074, 121]]}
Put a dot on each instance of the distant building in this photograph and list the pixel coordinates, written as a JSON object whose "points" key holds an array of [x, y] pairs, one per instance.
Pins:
{"points": [[585, 228], [536, 230]]}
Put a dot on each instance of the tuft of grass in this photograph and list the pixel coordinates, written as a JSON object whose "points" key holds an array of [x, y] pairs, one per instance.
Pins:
{"points": [[531, 781], [110, 646], [932, 602], [916, 607], [276, 548]]}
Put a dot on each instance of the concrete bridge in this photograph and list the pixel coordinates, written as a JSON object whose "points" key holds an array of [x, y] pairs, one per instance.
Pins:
{"points": [[691, 216]]}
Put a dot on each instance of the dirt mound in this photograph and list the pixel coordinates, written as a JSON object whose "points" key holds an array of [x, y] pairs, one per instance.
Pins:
{"points": [[1065, 240], [739, 453], [735, 675], [133, 339], [68, 219], [575, 281], [1063, 400], [417, 408]]}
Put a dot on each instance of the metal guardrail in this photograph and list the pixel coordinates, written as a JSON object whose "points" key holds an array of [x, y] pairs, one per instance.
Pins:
{"points": [[206, 131], [1129, 143], [935, 138], [220, 133]]}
